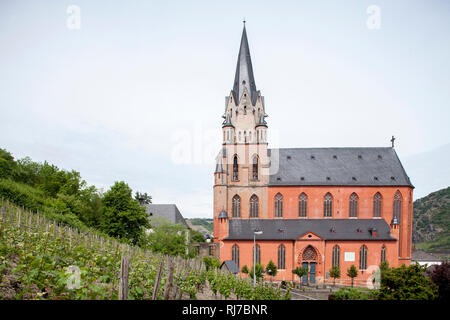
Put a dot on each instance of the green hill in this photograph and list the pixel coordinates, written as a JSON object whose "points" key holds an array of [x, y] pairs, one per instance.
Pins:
{"points": [[431, 222], [203, 225]]}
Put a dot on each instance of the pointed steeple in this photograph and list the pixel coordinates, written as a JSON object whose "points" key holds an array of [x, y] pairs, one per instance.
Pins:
{"points": [[244, 72]]}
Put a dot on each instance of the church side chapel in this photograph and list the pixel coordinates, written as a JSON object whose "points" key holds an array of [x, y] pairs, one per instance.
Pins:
{"points": [[305, 207]]}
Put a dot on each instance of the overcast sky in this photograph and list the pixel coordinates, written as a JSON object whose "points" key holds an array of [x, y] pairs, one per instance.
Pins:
{"points": [[134, 90]]}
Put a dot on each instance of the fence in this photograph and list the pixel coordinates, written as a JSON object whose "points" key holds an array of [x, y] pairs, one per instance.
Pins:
{"points": [[170, 273]]}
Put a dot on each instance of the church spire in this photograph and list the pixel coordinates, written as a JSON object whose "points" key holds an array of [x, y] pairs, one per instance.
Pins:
{"points": [[244, 73]]}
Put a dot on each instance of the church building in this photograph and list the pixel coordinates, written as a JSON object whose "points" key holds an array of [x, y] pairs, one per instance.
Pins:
{"points": [[305, 207]]}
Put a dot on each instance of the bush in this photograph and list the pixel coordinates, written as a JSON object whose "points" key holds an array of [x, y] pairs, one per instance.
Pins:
{"points": [[407, 283], [351, 294], [211, 263]]}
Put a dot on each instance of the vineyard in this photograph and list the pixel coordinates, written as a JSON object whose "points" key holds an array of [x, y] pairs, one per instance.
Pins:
{"points": [[41, 259]]}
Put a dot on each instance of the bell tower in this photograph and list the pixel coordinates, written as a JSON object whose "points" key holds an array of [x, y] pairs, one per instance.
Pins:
{"points": [[242, 169]]}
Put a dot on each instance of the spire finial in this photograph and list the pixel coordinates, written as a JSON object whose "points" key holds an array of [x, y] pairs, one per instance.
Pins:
{"points": [[392, 141], [244, 21]]}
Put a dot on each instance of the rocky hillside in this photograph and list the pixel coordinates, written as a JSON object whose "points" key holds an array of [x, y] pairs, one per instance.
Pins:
{"points": [[431, 223]]}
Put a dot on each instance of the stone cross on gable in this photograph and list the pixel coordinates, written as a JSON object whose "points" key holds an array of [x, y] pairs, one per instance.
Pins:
{"points": [[392, 141]]}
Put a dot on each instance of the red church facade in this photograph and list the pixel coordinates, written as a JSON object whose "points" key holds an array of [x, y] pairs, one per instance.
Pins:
{"points": [[316, 207]]}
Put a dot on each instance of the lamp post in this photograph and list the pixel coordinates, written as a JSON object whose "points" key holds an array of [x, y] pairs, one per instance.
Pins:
{"points": [[255, 232]]}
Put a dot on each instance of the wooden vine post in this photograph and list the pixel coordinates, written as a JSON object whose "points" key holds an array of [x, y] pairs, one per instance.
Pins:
{"points": [[158, 280], [169, 278], [123, 280]]}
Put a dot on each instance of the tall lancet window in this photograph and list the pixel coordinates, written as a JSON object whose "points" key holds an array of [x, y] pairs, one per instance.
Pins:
{"points": [[278, 205], [302, 205], [353, 205], [335, 256], [282, 257], [377, 205], [235, 169], [235, 255], [397, 206], [257, 251], [383, 253], [328, 205], [236, 206], [363, 258], [255, 168], [254, 203]]}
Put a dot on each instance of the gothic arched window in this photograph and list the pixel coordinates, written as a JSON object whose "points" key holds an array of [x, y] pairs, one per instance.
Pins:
{"points": [[254, 204], [377, 205], [335, 258], [281, 257], [235, 169], [278, 205], [353, 209], [397, 206], [363, 258], [328, 205], [236, 206], [383, 253], [302, 205], [309, 254], [257, 251], [235, 254], [255, 168]]}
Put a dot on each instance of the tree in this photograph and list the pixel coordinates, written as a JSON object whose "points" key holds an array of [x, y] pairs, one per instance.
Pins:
{"points": [[7, 164], [440, 275], [122, 215], [384, 266], [244, 269], [407, 283], [335, 273], [143, 198], [300, 271], [352, 272], [167, 238], [196, 236], [271, 269], [259, 271], [211, 263]]}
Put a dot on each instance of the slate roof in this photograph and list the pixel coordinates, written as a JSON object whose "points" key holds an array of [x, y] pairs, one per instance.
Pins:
{"points": [[244, 77], [292, 229], [336, 166], [231, 266], [167, 211]]}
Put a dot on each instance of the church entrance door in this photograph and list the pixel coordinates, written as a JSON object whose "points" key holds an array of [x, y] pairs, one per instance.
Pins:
{"points": [[305, 277], [312, 272], [309, 263]]}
